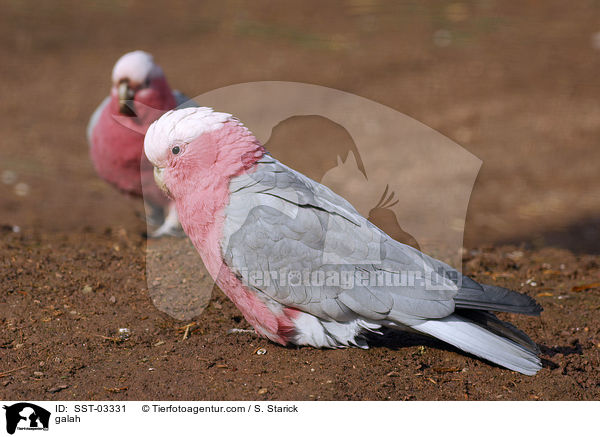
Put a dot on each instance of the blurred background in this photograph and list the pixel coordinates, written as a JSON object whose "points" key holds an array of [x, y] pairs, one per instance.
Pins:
{"points": [[515, 83]]}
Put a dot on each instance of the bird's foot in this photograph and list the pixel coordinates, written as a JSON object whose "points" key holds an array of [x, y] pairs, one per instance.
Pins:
{"points": [[168, 230], [171, 226]]}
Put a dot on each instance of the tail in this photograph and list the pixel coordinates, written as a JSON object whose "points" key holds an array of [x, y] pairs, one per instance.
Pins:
{"points": [[472, 295], [477, 340], [496, 326]]}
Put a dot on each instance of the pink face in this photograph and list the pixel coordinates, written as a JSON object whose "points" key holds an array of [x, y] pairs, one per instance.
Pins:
{"points": [[183, 161], [138, 83], [195, 147]]}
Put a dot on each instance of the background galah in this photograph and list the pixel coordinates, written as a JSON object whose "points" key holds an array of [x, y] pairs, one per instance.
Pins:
{"points": [[139, 95], [249, 217]]}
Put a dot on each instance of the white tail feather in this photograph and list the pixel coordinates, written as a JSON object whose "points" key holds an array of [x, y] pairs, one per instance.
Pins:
{"points": [[478, 341]]}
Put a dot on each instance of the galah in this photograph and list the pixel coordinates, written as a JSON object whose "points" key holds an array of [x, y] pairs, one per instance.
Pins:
{"points": [[139, 95], [252, 219]]}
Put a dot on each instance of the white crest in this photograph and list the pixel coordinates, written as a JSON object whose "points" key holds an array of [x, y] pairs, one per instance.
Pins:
{"points": [[136, 66], [180, 126]]}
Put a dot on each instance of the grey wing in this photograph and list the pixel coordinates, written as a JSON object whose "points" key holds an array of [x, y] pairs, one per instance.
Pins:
{"points": [[94, 120], [183, 101], [305, 247]]}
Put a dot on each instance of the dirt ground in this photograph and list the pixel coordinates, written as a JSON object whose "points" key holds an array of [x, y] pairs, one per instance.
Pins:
{"points": [[515, 83]]}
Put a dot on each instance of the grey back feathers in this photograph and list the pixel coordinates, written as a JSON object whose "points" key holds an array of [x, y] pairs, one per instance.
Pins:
{"points": [[281, 227], [283, 223]]}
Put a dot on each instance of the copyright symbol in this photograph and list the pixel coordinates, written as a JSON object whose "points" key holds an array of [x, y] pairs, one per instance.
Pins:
{"points": [[145, 408]]}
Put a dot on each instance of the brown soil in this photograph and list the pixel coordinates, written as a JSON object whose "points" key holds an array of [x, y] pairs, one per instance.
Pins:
{"points": [[517, 85]]}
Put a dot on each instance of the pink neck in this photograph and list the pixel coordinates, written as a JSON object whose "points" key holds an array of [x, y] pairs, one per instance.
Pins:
{"points": [[201, 210], [202, 199]]}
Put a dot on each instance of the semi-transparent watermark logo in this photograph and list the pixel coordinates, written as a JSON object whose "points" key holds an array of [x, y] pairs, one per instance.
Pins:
{"points": [[348, 278], [404, 177]]}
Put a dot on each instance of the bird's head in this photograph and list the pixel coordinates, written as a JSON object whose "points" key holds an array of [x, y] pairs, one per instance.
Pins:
{"points": [[199, 147], [137, 78]]}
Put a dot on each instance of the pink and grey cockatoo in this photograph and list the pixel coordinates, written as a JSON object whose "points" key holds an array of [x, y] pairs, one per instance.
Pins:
{"points": [[139, 95], [256, 223]]}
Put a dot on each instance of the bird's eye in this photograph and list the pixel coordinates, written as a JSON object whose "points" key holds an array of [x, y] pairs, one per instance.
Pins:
{"points": [[175, 150]]}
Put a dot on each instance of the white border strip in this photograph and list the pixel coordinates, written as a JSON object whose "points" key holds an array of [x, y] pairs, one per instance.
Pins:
{"points": [[248, 418]]}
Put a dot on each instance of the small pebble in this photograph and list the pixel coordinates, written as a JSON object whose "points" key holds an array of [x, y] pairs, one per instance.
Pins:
{"points": [[112, 299], [38, 374], [240, 331], [124, 333], [515, 255], [261, 351], [262, 391], [22, 189], [57, 388], [86, 289]]}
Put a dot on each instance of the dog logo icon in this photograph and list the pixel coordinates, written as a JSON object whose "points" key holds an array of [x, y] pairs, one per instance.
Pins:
{"points": [[26, 416]]}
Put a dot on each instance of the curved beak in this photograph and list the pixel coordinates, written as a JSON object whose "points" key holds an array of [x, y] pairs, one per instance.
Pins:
{"points": [[126, 95], [158, 178]]}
